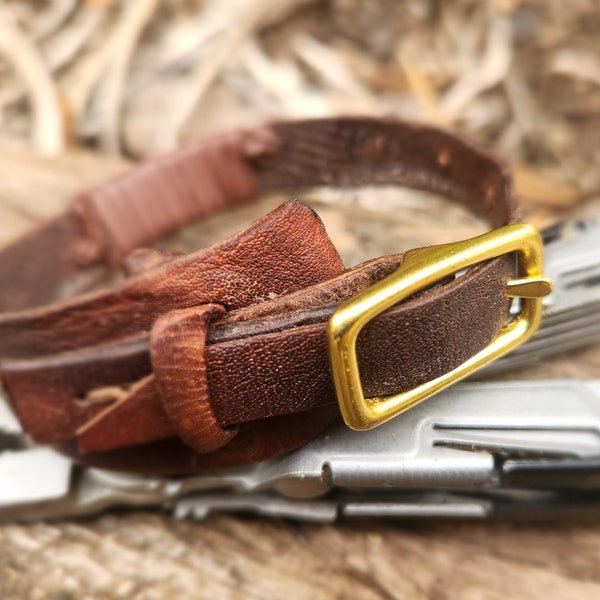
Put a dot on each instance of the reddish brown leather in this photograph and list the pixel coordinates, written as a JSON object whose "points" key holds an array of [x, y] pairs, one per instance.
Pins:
{"points": [[255, 442], [104, 432], [262, 368], [199, 180], [177, 346], [102, 226], [138, 417], [268, 259]]}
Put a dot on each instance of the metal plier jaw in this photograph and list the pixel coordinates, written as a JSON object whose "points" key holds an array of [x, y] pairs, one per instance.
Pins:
{"points": [[516, 449]]}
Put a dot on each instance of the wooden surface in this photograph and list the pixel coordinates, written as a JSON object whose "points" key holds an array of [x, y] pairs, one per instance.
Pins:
{"points": [[147, 555]]}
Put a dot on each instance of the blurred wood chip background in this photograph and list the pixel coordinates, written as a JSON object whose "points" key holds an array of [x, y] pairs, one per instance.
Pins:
{"points": [[89, 87]]}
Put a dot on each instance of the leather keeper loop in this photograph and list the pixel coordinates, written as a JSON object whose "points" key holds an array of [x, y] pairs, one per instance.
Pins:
{"points": [[177, 346]]}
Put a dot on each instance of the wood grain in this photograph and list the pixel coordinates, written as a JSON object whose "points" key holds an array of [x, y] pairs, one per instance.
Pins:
{"points": [[149, 556]]}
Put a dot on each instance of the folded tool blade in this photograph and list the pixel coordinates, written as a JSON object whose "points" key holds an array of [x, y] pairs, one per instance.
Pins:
{"points": [[478, 450], [28, 475], [33, 475]]}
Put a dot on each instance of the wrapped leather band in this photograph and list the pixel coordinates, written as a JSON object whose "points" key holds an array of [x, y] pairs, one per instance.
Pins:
{"points": [[196, 392]]}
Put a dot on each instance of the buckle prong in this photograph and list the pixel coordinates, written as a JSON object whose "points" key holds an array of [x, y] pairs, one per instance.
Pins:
{"points": [[529, 287], [420, 269]]}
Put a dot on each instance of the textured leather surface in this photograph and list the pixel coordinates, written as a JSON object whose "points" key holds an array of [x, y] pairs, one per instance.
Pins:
{"points": [[219, 357], [72, 341], [177, 348]]}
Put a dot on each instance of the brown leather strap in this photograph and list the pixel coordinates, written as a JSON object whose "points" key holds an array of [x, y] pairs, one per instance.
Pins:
{"points": [[112, 373]]}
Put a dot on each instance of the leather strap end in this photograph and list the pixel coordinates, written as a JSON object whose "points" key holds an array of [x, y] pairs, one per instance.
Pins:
{"points": [[53, 397], [138, 418]]}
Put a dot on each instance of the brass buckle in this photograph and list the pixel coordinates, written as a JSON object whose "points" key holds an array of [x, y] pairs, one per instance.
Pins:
{"points": [[422, 268]]}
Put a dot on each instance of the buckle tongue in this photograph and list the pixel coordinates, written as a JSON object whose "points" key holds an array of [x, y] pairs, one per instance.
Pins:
{"points": [[422, 268]]}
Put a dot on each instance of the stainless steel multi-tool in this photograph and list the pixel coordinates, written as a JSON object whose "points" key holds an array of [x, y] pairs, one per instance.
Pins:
{"points": [[496, 449]]}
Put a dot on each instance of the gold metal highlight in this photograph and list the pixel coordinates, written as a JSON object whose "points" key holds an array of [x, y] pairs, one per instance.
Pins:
{"points": [[421, 268]]}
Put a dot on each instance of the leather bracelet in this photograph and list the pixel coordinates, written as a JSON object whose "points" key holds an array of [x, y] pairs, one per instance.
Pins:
{"points": [[220, 357]]}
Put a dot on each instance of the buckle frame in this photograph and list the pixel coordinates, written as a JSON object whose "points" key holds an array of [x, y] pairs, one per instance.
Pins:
{"points": [[420, 269]]}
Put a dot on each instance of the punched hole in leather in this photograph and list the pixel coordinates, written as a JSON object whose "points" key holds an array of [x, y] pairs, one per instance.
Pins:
{"points": [[221, 354]]}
